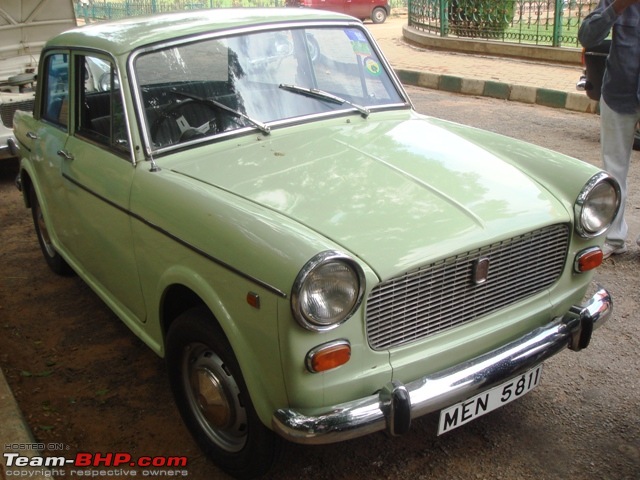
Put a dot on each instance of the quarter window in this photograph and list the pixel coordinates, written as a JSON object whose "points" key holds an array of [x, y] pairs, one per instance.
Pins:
{"points": [[55, 107]]}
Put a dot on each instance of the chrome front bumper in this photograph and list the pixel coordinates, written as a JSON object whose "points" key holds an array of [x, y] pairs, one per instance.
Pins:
{"points": [[393, 408]]}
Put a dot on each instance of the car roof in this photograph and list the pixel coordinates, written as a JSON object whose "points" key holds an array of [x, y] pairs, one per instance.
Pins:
{"points": [[122, 36]]}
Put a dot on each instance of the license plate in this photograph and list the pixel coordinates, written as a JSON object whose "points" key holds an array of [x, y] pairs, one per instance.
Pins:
{"points": [[485, 402]]}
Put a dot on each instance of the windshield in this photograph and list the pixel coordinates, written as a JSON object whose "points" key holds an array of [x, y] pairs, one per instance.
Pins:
{"points": [[219, 85]]}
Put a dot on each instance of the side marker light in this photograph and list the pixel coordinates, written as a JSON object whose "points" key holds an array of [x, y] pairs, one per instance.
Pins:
{"points": [[588, 259], [328, 356]]}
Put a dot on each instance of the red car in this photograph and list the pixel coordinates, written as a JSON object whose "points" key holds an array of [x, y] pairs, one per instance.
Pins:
{"points": [[376, 10]]}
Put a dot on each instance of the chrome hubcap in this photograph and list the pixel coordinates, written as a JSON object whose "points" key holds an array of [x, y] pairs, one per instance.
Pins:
{"points": [[214, 398], [210, 397]]}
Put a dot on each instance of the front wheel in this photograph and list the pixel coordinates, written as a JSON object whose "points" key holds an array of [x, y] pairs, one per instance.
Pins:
{"points": [[379, 15], [213, 399], [636, 138]]}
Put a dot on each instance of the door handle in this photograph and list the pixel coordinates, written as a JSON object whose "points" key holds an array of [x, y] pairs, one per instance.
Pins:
{"points": [[32, 136], [65, 155]]}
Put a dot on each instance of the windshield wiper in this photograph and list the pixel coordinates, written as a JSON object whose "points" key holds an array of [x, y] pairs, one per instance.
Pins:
{"points": [[263, 127], [322, 95]]}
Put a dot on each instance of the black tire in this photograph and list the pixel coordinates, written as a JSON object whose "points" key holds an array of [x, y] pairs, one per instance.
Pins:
{"points": [[51, 256], [636, 138], [200, 362], [379, 15]]}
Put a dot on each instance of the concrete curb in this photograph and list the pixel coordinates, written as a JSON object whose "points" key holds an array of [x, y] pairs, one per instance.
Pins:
{"points": [[577, 101], [564, 55], [14, 430]]}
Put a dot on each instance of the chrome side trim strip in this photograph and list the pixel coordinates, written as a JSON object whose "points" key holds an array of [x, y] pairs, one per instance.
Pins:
{"points": [[179, 240]]}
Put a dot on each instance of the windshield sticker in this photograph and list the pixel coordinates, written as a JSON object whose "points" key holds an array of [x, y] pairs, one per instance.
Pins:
{"points": [[359, 42], [355, 35], [372, 66]]}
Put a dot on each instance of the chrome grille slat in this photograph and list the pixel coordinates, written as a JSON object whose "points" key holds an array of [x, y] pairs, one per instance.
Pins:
{"points": [[442, 295], [8, 109]]}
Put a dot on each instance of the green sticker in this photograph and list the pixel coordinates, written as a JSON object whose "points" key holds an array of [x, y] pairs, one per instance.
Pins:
{"points": [[361, 48], [372, 66]]}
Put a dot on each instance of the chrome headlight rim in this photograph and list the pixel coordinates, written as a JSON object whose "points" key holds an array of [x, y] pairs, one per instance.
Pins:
{"points": [[318, 261], [582, 202]]}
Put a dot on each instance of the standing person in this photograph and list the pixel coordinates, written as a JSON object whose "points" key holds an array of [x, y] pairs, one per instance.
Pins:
{"points": [[85, 10], [620, 99]]}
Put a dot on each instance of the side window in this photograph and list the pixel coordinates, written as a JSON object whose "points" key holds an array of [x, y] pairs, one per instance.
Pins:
{"points": [[100, 115], [55, 107]]}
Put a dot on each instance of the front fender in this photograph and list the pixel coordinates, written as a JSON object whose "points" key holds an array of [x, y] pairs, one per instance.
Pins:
{"points": [[251, 332]]}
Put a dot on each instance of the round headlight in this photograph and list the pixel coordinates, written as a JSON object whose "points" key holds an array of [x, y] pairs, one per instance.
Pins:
{"points": [[327, 291], [597, 205]]}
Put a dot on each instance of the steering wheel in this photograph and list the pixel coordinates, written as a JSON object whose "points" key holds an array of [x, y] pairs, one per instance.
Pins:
{"points": [[175, 110]]}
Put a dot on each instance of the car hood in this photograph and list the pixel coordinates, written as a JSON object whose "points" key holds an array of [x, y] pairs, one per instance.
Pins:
{"points": [[25, 26], [394, 193]]}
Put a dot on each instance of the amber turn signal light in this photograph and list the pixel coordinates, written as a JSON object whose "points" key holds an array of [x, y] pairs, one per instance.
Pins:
{"points": [[588, 259], [328, 356]]}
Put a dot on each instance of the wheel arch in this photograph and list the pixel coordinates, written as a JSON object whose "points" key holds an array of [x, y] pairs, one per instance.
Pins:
{"points": [[176, 300], [25, 185], [179, 297], [214, 398]]}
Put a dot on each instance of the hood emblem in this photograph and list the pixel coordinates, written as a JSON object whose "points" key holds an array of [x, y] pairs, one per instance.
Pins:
{"points": [[480, 270]]}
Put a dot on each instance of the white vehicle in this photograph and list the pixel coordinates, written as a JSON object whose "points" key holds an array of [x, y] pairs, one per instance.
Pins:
{"points": [[25, 25]]}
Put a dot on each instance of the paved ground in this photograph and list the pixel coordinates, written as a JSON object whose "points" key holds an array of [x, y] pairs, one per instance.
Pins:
{"points": [[512, 71], [521, 80]]}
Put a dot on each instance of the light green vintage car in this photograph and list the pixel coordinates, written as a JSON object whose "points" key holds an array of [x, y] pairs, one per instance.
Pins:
{"points": [[253, 194]]}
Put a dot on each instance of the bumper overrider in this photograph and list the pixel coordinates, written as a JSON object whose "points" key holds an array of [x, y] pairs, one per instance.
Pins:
{"points": [[9, 149], [396, 404]]}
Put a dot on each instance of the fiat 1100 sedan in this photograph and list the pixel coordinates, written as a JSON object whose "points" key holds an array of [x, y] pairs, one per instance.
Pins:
{"points": [[253, 194]]}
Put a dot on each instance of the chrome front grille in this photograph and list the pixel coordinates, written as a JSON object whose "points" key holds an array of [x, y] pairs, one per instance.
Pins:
{"points": [[8, 109], [445, 294]]}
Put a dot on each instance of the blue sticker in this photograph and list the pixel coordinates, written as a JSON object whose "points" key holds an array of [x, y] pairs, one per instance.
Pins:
{"points": [[355, 35]]}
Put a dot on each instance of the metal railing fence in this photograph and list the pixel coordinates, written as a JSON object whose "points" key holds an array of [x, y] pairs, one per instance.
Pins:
{"points": [[549, 23], [542, 22]]}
